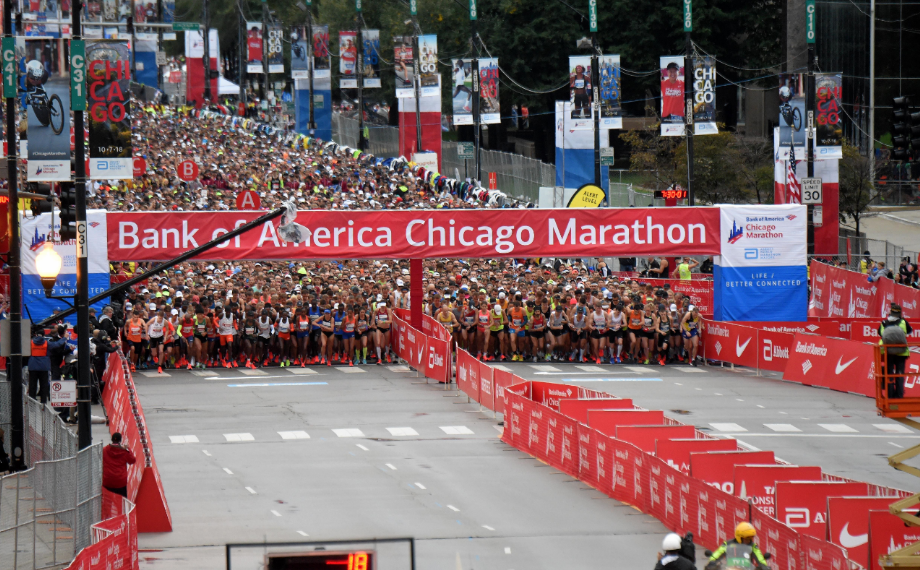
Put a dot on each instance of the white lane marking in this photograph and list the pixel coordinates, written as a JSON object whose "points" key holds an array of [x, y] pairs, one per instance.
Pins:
{"points": [[456, 430], [183, 439], [697, 388], [420, 486], [391, 466], [294, 435], [300, 532], [348, 432], [893, 428], [397, 368], [402, 431], [252, 372], [736, 399], [453, 508], [759, 406], [487, 527], [501, 367], [204, 373], [228, 471], [895, 444], [276, 513], [727, 427], [638, 369], [840, 435], [582, 366], [507, 548], [676, 383], [206, 452], [300, 371], [784, 413], [349, 369], [239, 437], [838, 428], [362, 447], [251, 490], [154, 374], [690, 370], [781, 427], [717, 394], [548, 368]]}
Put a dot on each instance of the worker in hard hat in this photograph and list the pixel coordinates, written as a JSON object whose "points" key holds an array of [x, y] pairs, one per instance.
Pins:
{"points": [[740, 552]]}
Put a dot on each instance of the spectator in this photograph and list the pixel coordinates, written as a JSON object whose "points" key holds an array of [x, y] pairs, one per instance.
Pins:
{"points": [[627, 264], [706, 266], [107, 324], [684, 267], [103, 347], [115, 460], [893, 333], [864, 263], [4, 457], [39, 366]]}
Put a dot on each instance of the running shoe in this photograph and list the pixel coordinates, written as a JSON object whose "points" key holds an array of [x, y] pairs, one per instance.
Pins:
{"points": [[281, 364], [350, 363], [329, 363], [234, 364], [661, 361], [379, 362], [133, 368], [389, 360], [159, 369], [190, 366], [155, 360], [645, 361], [364, 361]]}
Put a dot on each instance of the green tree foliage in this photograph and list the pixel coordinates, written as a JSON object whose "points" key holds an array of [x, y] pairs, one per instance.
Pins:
{"points": [[856, 186]]}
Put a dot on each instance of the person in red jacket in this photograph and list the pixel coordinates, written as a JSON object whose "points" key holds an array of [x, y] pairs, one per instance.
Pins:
{"points": [[115, 460]]}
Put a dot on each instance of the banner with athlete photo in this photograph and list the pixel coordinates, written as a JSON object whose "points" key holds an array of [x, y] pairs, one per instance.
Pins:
{"points": [[792, 115], [348, 60], [169, 11], [322, 66], [300, 68], [47, 99], [371, 41], [273, 49], [253, 47], [404, 66], [704, 96], [828, 118], [489, 108], [429, 77], [108, 73], [580, 92], [673, 112], [462, 97], [145, 11], [611, 112]]}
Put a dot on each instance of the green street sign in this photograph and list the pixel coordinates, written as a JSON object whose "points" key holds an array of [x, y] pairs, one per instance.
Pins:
{"points": [[77, 75], [466, 150], [186, 26], [413, 7], [592, 14], [688, 15], [357, 5], [810, 21], [607, 156], [8, 49], [473, 10]]}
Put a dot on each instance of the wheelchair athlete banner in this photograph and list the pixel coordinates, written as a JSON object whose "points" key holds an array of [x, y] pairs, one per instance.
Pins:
{"points": [[45, 97], [108, 65]]}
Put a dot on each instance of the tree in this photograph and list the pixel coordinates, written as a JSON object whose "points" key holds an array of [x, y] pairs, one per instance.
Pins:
{"points": [[856, 185]]}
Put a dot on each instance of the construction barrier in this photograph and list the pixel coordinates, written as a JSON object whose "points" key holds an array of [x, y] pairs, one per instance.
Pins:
{"points": [[126, 416], [114, 538]]}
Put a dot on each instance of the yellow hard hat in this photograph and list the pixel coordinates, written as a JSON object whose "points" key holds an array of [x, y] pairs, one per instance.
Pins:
{"points": [[745, 530]]}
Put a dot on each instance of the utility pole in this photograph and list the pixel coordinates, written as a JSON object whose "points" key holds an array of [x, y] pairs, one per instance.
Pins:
{"points": [[206, 35], [810, 111], [474, 69], [413, 9], [688, 96], [266, 19], [311, 125], [244, 47], [359, 20], [10, 85], [84, 383], [595, 91], [871, 150]]}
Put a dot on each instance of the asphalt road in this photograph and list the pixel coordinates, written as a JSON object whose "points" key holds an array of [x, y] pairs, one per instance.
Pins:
{"points": [[251, 458], [43, 138]]}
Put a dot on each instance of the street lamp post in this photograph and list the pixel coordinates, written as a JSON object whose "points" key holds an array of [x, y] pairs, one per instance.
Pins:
{"points": [[48, 263]]}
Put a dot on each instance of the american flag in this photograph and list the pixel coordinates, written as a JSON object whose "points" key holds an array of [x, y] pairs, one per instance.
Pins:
{"points": [[793, 188]]}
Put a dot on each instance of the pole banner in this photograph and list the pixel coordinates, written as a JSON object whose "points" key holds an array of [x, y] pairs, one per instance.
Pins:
{"points": [[462, 97], [371, 40], [489, 107], [791, 115], [580, 91], [47, 98], [611, 112], [829, 135], [274, 54], [108, 74], [321, 64], [254, 47], [704, 96], [425, 233], [404, 66], [348, 60], [672, 96], [429, 77], [299, 64]]}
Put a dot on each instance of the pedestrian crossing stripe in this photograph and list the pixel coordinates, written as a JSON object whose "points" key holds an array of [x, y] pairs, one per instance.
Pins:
{"points": [[239, 437], [294, 435], [348, 432]]}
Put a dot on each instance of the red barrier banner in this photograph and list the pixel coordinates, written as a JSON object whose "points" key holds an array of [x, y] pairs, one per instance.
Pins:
{"points": [[537, 426], [578, 409], [501, 381], [908, 298], [676, 452], [824, 327], [837, 364], [414, 349], [487, 393], [802, 505], [848, 523], [468, 374], [888, 533], [657, 491], [779, 540], [688, 505], [820, 289], [728, 342], [357, 234], [758, 482], [821, 555], [716, 468], [863, 296], [516, 413], [561, 446], [588, 462], [437, 359], [699, 291], [549, 393], [706, 531], [606, 421], [886, 296], [774, 350], [627, 487], [866, 330], [646, 437]]}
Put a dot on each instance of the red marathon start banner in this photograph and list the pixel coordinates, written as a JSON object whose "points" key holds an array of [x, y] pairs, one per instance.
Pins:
{"points": [[608, 232]]}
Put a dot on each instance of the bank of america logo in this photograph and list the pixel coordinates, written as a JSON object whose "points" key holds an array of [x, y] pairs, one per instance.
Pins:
{"points": [[736, 233], [718, 348], [790, 217], [812, 328], [806, 366]]}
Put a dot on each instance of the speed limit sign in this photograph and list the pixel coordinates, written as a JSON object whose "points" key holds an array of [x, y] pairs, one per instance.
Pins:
{"points": [[811, 191]]}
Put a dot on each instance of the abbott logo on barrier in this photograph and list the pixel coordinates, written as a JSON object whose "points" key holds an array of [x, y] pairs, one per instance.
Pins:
{"points": [[771, 351]]}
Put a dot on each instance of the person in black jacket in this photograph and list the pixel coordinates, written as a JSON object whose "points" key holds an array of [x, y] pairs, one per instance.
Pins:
{"points": [[103, 347], [679, 553]]}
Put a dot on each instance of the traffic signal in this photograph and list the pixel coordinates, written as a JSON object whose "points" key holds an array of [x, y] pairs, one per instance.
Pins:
{"points": [[41, 205], [902, 129], [68, 211]]}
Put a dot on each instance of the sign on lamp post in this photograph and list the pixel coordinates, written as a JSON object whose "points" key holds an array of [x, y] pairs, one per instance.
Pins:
{"points": [[592, 15], [77, 75], [688, 15], [810, 21]]}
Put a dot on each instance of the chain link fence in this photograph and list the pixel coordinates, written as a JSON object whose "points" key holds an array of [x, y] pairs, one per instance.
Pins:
{"points": [[518, 176], [878, 251], [382, 140]]}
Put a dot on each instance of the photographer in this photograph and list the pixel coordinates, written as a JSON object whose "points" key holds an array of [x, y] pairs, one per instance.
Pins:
{"points": [[115, 460], [103, 347]]}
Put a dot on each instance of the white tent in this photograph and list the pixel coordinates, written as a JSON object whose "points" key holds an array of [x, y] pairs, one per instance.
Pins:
{"points": [[225, 87]]}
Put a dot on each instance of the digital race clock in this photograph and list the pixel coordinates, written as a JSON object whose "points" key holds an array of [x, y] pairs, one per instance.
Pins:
{"points": [[322, 560]]}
